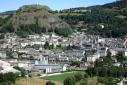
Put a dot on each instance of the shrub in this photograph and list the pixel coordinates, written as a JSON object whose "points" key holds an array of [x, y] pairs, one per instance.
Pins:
{"points": [[78, 77], [50, 83], [83, 82], [69, 81]]}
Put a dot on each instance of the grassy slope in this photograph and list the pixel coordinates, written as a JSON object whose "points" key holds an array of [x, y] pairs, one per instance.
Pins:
{"points": [[60, 77], [33, 81]]}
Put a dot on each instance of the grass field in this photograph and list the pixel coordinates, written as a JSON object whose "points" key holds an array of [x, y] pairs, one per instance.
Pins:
{"points": [[57, 79], [60, 77], [33, 81]]}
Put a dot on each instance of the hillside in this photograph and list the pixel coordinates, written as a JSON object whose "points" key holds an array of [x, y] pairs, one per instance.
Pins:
{"points": [[109, 20], [32, 19]]}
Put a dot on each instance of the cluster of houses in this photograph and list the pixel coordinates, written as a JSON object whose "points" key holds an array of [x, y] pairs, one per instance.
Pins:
{"points": [[39, 66], [26, 52]]}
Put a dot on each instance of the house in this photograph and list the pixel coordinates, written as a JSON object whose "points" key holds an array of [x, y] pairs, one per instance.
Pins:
{"points": [[62, 57], [124, 64], [125, 52], [88, 45], [25, 64], [113, 52], [33, 36], [103, 51], [64, 67], [117, 64], [24, 44], [101, 40], [93, 58], [15, 55], [3, 55], [122, 50], [3, 63]]}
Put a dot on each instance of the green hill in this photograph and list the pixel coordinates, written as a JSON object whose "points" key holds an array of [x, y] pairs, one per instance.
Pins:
{"points": [[109, 20]]}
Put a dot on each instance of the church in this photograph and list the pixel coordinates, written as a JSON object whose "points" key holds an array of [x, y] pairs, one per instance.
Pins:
{"points": [[43, 67]]}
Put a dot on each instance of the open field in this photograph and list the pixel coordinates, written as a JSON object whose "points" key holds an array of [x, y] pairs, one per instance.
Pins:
{"points": [[60, 77], [33, 81]]}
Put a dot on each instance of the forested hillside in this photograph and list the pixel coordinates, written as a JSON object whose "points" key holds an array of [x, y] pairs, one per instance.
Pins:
{"points": [[109, 20]]}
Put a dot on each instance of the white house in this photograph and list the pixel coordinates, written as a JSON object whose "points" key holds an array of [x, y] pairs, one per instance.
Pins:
{"points": [[103, 51], [64, 67], [2, 55], [113, 52], [125, 52], [93, 58]]}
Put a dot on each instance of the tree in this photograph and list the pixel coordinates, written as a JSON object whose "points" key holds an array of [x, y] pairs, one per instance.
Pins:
{"points": [[51, 46], [9, 53], [50, 83], [63, 31], [46, 45], [107, 81], [5, 83], [23, 71], [86, 75], [120, 57], [8, 78], [78, 77], [7, 28], [1, 36], [83, 82], [69, 81]]}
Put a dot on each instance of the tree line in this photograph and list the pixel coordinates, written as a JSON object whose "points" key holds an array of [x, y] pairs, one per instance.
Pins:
{"points": [[8, 78], [25, 30]]}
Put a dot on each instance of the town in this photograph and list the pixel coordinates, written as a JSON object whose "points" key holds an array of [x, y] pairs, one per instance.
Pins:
{"points": [[55, 53], [72, 43]]}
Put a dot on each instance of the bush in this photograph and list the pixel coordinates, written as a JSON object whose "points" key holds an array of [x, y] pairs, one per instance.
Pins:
{"points": [[1, 36], [23, 71], [63, 31], [78, 77], [50, 83], [86, 75], [69, 81], [83, 82], [107, 81], [8, 77], [5, 83]]}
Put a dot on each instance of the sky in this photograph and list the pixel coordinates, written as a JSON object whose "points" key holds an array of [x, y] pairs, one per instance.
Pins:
{"points": [[7, 5]]}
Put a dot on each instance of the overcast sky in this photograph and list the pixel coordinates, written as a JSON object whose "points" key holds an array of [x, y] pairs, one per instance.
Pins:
{"points": [[6, 5]]}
